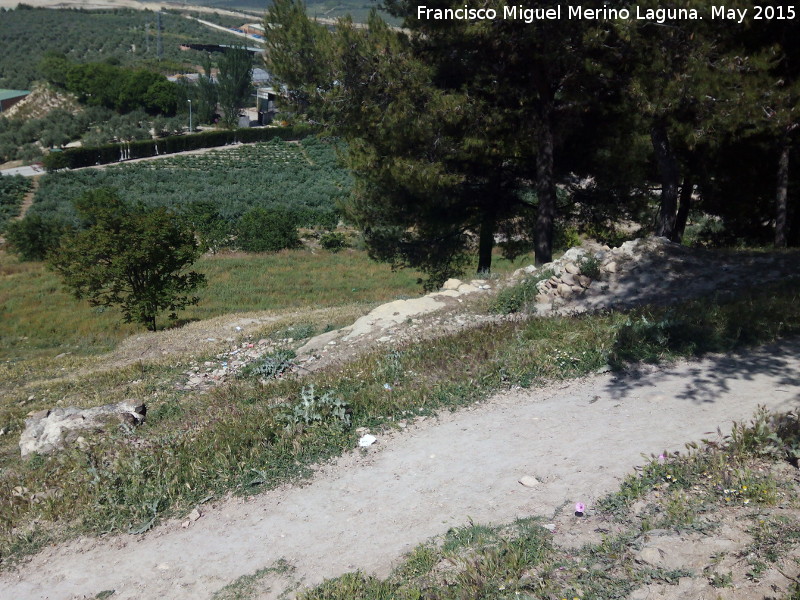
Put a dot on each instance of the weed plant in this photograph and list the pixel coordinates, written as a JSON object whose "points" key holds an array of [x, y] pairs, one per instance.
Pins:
{"points": [[272, 365], [518, 297]]}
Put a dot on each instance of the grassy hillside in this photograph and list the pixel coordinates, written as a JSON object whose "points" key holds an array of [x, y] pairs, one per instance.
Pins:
{"points": [[36, 308], [169, 465]]}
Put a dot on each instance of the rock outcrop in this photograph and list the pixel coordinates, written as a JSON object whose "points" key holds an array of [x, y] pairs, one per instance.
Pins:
{"points": [[48, 430]]}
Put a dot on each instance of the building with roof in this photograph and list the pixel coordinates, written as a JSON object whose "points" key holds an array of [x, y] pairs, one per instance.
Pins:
{"points": [[9, 98], [253, 29]]}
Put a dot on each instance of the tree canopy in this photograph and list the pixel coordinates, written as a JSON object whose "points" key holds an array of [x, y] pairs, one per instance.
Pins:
{"points": [[128, 256], [462, 131]]}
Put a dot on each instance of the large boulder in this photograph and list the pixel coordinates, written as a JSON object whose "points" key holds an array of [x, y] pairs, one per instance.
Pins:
{"points": [[49, 430]]}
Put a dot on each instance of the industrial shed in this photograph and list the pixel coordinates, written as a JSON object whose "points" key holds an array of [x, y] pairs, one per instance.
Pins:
{"points": [[9, 98]]}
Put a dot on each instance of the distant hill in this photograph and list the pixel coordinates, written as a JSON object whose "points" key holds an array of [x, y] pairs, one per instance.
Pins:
{"points": [[330, 9], [123, 36]]}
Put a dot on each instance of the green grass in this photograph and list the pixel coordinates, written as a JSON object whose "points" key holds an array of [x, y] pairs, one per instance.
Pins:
{"points": [[39, 318], [248, 586], [235, 437]]}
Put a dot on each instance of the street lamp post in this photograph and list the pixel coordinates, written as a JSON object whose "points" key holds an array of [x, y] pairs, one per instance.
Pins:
{"points": [[190, 115]]}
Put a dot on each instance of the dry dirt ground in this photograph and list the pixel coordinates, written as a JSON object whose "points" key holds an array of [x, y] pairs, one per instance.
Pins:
{"points": [[363, 512]]}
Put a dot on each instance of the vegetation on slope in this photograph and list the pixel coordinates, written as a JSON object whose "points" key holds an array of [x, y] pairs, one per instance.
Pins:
{"points": [[12, 192], [126, 480]]}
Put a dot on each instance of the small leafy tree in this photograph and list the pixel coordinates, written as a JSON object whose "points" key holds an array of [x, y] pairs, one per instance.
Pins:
{"points": [[210, 227], [129, 256]]}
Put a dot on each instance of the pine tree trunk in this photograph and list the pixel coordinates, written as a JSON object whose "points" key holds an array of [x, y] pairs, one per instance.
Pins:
{"points": [[545, 191], [486, 242], [670, 176], [683, 208], [781, 197]]}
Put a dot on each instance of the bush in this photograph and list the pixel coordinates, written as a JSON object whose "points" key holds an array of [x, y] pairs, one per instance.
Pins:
{"points": [[516, 298], [333, 241], [211, 229], [54, 161], [565, 237], [590, 267], [261, 230], [270, 366], [35, 236], [313, 409]]}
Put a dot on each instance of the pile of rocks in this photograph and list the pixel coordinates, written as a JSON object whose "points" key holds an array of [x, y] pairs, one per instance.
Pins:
{"points": [[649, 270], [226, 365], [572, 274]]}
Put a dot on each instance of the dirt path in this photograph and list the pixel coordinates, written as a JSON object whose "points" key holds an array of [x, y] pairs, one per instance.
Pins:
{"points": [[366, 510], [27, 201]]}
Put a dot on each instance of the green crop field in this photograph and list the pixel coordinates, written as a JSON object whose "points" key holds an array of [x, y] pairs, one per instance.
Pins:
{"points": [[126, 37], [302, 177]]}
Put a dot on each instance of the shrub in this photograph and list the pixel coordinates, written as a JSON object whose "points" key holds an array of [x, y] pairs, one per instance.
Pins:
{"points": [[315, 409], [565, 237], [333, 241], [53, 161], [261, 230], [212, 230], [516, 298], [590, 267], [272, 365], [35, 236]]}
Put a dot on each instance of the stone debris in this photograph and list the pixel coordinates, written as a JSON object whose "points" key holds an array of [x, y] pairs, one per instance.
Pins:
{"points": [[529, 481], [649, 270], [48, 430], [228, 364], [586, 278]]}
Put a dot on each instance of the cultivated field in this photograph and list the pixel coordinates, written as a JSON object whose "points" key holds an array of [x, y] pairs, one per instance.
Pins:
{"points": [[125, 36], [301, 177]]}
